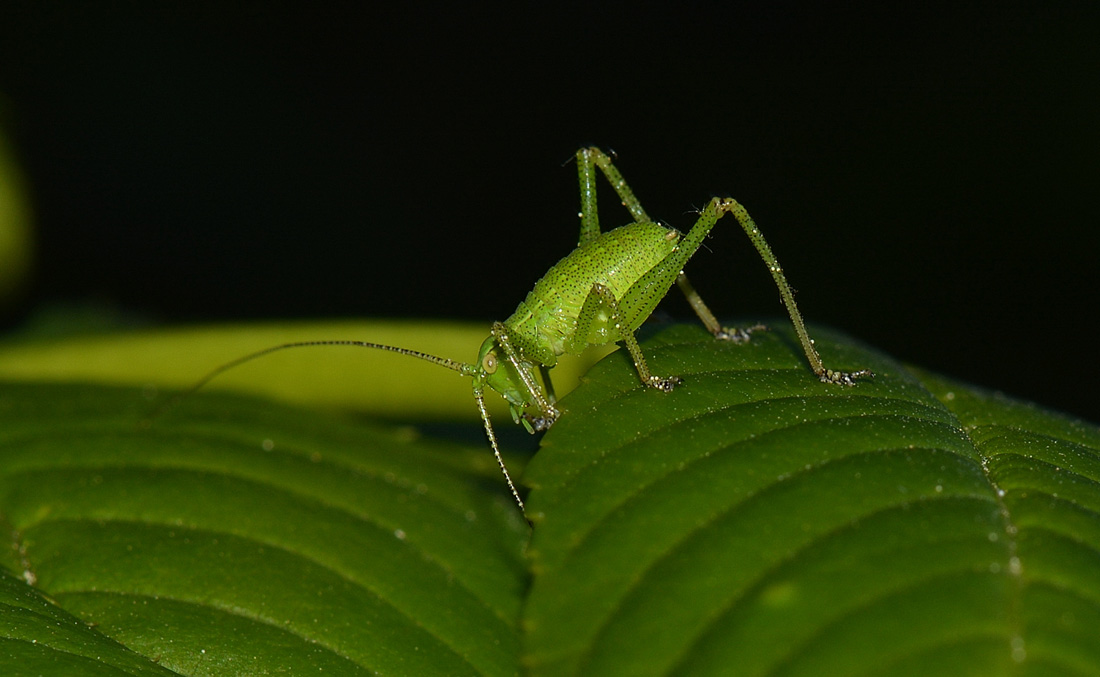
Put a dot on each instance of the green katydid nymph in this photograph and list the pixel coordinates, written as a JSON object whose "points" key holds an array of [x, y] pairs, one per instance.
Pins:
{"points": [[600, 293]]}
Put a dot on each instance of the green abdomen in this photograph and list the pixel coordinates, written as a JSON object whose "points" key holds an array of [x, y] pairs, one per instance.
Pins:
{"points": [[544, 323]]}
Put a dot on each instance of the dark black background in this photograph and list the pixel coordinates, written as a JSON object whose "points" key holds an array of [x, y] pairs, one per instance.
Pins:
{"points": [[926, 177]]}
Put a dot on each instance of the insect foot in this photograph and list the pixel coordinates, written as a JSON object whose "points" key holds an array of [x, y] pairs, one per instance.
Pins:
{"points": [[540, 423], [738, 335], [845, 378], [665, 385]]}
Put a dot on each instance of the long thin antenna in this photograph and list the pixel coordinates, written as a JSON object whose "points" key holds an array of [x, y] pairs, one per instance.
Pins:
{"points": [[460, 367]]}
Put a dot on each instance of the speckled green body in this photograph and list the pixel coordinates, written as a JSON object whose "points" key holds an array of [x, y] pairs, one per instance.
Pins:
{"points": [[545, 323]]}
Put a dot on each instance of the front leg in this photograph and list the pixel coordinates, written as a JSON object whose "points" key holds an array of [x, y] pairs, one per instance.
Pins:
{"points": [[548, 413]]}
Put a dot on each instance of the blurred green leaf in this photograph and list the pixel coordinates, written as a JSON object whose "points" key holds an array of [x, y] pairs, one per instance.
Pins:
{"points": [[365, 380], [16, 239]]}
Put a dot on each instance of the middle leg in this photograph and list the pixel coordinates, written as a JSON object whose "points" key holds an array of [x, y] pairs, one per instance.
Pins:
{"points": [[736, 335], [602, 299]]}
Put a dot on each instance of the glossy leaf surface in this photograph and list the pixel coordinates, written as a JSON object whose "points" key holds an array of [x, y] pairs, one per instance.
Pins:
{"points": [[757, 522]]}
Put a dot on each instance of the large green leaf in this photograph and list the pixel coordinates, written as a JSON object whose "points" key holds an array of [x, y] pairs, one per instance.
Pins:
{"points": [[757, 522], [236, 536], [753, 521]]}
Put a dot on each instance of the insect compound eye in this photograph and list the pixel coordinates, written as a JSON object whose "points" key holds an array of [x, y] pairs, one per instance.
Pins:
{"points": [[489, 362]]}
